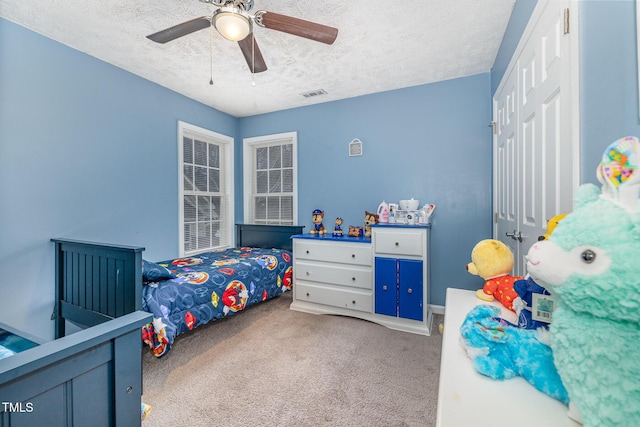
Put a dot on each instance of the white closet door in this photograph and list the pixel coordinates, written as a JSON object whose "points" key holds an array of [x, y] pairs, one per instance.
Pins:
{"points": [[544, 141], [505, 162]]}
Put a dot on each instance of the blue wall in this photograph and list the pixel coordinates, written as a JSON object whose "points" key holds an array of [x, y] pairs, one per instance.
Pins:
{"points": [[608, 79], [429, 142], [520, 15], [87, 151]]}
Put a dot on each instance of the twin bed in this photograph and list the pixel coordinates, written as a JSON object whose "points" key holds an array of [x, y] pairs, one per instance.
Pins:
{"points": [[97, 282], [94, 376]]}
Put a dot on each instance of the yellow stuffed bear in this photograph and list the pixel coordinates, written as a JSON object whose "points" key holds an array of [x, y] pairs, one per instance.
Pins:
{"points": [[492, 260]]}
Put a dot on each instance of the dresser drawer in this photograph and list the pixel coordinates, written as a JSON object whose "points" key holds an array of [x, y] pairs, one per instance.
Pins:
{"points": [[399, 242], [337, 274], [345, 253], [336, 297]]}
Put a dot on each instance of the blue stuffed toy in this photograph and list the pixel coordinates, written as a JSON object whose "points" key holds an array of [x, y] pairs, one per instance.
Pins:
{"points": [[525, 288], [501, 352]]}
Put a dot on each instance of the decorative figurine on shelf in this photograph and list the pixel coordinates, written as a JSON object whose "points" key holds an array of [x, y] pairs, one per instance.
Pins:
{"points": [[355, 231], [337, 230], [369, 220], [316, 218]]}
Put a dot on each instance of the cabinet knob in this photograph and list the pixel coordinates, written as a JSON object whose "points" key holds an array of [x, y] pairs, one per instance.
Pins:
{"points": [[397, 243], [353, 255], [384, 287], [308, 273], [409, 291], [353, 279], [307, 250], [353, 302], [307, 293]]}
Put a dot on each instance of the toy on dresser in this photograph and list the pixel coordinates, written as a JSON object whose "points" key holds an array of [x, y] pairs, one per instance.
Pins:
{"points": [[501, 352], [316, 218], [337, 230], [369, 220], [492, 260], [551, 225], [355, 231], [591, 266], [528, 305], [523, 305]]}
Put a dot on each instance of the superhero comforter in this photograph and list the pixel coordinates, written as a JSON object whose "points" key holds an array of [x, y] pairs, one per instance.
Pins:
{"points": [[190, 292]]}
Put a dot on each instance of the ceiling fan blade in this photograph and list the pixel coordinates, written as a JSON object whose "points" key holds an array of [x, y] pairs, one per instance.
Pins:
{"points": [[297, 27], [251, 51], [180, 30]]}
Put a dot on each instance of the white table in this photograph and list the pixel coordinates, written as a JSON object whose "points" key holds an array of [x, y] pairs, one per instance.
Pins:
{"points": [[467, 398]]}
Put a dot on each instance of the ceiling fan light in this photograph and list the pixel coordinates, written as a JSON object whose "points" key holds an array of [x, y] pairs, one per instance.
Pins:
{"points": [[231, 24]]}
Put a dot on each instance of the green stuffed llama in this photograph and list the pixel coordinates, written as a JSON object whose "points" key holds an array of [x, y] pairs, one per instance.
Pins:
{"points": [[591, 264]]}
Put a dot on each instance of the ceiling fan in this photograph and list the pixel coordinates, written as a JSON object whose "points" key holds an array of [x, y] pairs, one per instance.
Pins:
{"points": [[233, 21]]}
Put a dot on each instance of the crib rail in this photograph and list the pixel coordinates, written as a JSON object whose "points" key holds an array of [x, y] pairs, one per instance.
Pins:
{"points": [[95, 282]]}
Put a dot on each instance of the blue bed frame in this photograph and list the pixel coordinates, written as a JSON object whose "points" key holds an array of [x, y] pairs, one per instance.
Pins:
{"points": [[96, 282], [90, 378]]}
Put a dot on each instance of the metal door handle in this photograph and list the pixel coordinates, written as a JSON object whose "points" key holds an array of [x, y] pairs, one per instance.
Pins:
{"points": [[515, 235]]}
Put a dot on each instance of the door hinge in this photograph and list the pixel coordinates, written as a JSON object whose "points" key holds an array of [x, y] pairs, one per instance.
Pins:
{"points": [[566, 21], [494, 125], [495, 217]]}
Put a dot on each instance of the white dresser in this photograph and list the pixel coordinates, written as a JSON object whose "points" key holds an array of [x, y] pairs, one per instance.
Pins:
{"points": [[465, 396], [383, 279], [332, 275]]}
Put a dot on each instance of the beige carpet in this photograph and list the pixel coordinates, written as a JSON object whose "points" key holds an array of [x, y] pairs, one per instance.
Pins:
{"points": [[271, 366]]}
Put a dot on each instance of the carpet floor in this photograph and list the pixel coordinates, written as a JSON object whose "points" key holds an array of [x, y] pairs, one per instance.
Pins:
{"points": [[272, 366]]}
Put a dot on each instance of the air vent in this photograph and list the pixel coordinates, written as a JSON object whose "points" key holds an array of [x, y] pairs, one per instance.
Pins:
{"points": [[314, 93]]}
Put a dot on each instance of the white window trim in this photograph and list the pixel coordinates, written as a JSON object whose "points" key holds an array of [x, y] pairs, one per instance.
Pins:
{"points": [[248, 144], [229, 175]]}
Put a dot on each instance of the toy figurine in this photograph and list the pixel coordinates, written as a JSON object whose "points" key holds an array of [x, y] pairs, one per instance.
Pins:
{"points": [[337, 231], [369, 220], [316, 218], [355, 231]]}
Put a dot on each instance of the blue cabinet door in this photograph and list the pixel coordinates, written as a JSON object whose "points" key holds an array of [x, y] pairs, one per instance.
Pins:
{"points": [[386, 278], [410, 289]]}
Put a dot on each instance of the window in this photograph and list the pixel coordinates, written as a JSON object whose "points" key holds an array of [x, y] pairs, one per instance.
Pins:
{"points": [[205, 164], [271, 179]]}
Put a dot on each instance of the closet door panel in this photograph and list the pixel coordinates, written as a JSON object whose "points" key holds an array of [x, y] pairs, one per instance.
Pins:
{"points": [[543, 136]]}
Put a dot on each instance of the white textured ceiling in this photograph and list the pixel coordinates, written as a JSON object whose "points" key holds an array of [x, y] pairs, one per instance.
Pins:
{"points": [[381, 45]]}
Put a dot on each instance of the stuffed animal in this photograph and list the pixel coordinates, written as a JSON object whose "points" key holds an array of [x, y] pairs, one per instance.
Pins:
{"points": [[316, 218], [492, 260], [591, 265], [526, 288], [502, 352], [551, 225], [369, 220]]}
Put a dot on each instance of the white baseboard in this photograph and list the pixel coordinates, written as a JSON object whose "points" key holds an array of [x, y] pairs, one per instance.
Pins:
{"points": [[437, 309]]}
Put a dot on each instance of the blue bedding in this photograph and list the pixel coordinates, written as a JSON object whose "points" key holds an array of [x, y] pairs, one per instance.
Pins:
{"points": [[11, 344], [185, 293]]}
